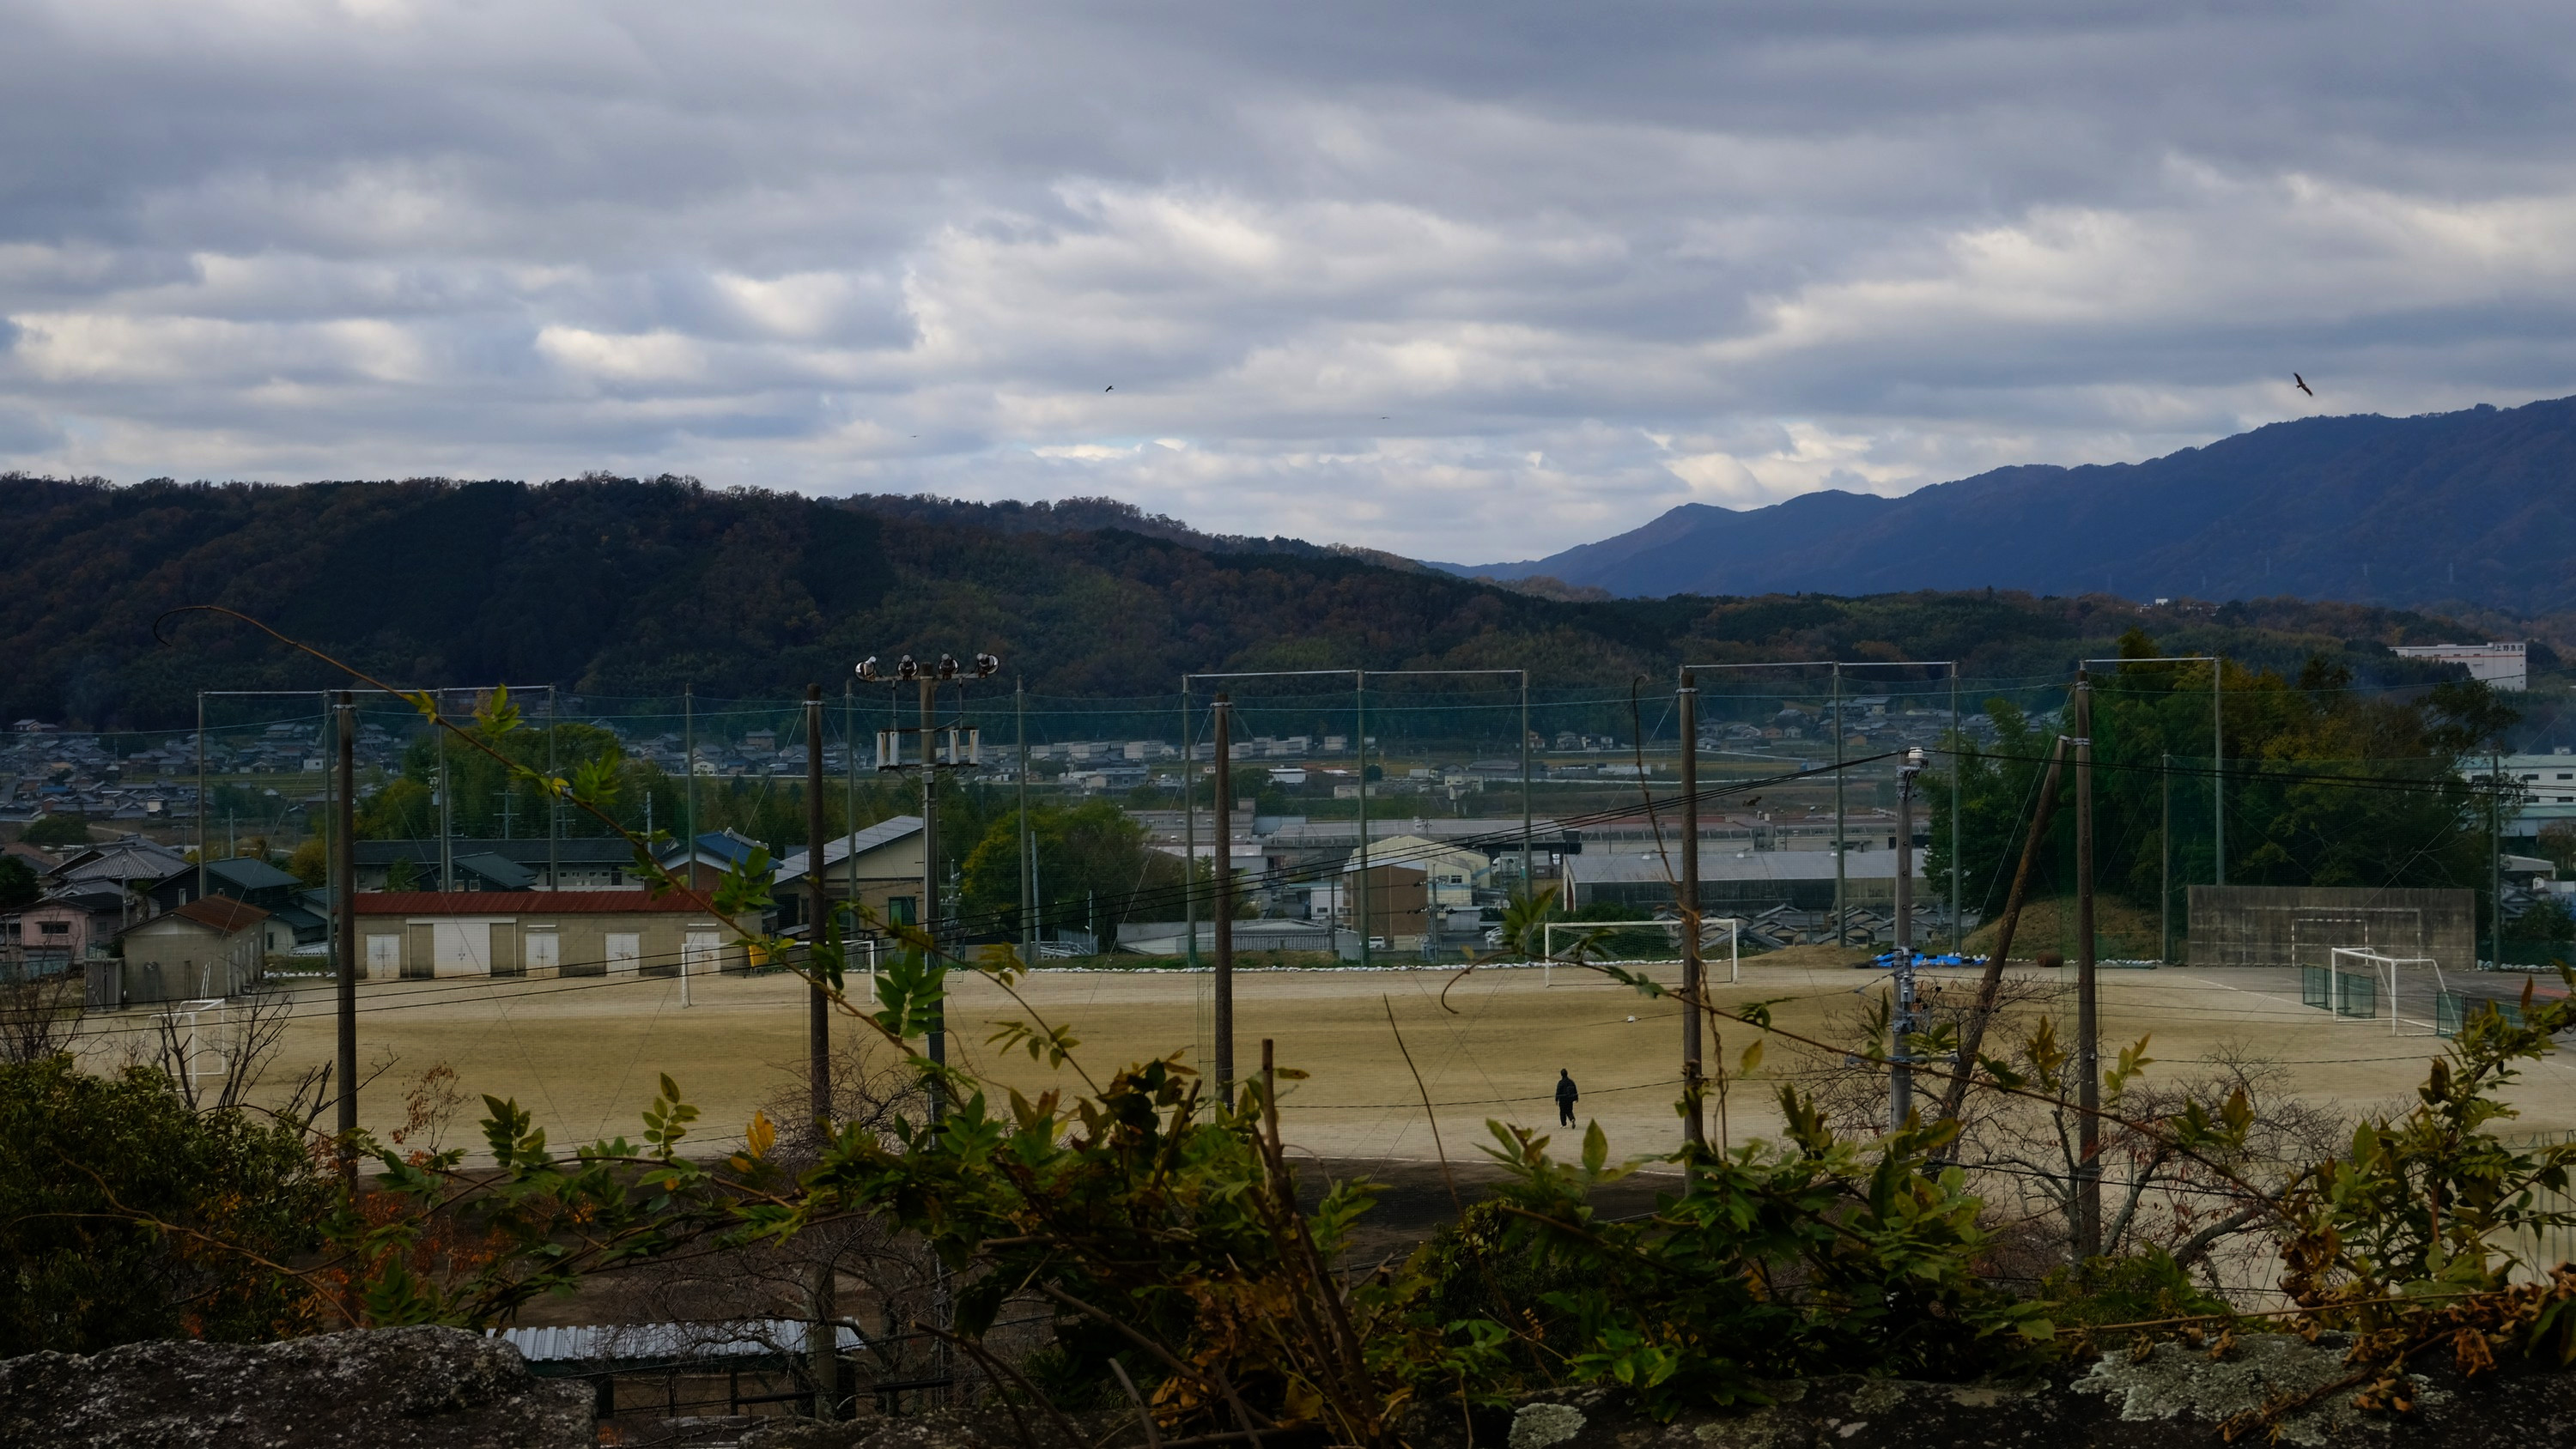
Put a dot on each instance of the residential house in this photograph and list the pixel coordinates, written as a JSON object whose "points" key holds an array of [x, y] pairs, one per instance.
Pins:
{"points": [[704, 862], [878, 866], [574, 864], [1454, 873], [409, 935]]}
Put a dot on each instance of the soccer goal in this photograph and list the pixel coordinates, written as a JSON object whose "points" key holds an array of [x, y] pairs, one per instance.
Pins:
{"points": [[195, 1033], [2359, 983]]}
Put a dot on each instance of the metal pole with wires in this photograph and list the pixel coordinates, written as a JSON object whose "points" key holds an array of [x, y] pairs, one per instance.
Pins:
{"points": [[1359, 743], [1694, 978], [1223, 910], [2088, 1046], [344, 898], [1028, 838], [1903, 1022]]}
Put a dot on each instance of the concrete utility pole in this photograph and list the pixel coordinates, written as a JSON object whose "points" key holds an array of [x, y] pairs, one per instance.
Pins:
{"points": [[1028, 837], [1842, 917], [2088, 1047], [818, 1001], [930, 910], [823, 1340], [1359, 743], [1189, 831], [1900, 1076], [689, 781], [1224, 912], [344, 890], [1694, 976]]}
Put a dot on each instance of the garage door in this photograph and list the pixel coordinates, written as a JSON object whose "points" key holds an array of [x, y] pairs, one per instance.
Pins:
{"points": [[461, 948]]}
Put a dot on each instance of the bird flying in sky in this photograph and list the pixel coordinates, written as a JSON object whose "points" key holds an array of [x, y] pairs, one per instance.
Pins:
{"points": [[2303, 384]]}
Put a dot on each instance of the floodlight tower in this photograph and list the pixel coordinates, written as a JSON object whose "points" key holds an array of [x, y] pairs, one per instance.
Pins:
{"points": [[939, 744]]}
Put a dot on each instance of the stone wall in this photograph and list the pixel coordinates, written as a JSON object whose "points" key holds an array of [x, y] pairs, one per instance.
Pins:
{"points": [[390, 1388]]}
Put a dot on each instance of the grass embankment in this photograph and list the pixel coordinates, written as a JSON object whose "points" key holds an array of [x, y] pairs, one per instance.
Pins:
{"points": [[2122, 931]]}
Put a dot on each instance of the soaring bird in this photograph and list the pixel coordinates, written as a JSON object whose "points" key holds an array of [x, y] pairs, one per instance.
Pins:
{"points": [[2303, 384], [1113, 387]]}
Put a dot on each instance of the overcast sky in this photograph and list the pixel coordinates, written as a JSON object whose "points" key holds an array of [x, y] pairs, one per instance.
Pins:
{"points": [[1470, 282]]}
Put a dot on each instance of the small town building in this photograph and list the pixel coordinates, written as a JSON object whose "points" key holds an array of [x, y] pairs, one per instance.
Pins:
{"points": [[878, 866], [520, 863], [414, 935], [210, 947], [2506, 666], [1735, 882]]}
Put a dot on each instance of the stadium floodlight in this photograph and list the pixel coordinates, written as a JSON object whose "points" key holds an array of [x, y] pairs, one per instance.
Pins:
{"points": [[868, 671], [987, 665], [906, 669]]}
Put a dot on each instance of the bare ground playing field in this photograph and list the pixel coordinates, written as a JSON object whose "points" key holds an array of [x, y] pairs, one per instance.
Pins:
{"points": [[585, 1054]]}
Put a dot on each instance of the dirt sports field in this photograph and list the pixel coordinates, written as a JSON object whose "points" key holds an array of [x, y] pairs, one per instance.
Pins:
{"points": [[584, 1054]]}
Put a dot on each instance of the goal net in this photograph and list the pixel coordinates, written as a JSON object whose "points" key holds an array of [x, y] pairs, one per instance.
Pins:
{"points": [[2360, 984]]}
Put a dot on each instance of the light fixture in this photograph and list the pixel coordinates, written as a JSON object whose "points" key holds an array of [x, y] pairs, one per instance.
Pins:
{"points": [[868, 671]]}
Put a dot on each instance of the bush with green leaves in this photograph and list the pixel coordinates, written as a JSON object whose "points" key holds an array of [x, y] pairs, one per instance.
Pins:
{"points": [[130, 1216]]}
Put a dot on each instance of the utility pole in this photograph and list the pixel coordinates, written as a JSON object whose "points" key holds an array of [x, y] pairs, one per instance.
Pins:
{"points": [[1028, 839], [554, 803], [823, 1344], [1189, 832], [1902, 1023], [446, 805], [344, 890], [1359, 743], [930, 908], [1224, 910], [818, 1001], [1529, 882], [2088, 1048], [2495, 863], [2164, 877], [1842, 917], [689, 780], [202, 803], [1958, 744], [2218, 765], [1694, 977]]}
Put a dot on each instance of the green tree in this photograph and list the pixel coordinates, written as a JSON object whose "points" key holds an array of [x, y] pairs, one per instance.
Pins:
{"points": [[1088, 854], [117, 1198], [56, 830], [2324, 785], [310, 862], [18, 888]]}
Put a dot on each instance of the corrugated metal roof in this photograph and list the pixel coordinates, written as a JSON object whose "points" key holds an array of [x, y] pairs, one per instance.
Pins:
{"points": [[838, 847], [628, 1342], [1608, 867], [522, 903]]}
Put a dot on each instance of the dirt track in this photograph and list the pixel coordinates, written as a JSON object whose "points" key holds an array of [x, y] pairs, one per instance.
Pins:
{"points": [[584, 1055]]}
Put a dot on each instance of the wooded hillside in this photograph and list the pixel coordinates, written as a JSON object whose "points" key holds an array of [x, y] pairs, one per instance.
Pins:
{"points": [[636, 587]]}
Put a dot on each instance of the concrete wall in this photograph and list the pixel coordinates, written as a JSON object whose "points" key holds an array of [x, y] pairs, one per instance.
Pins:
{"points": [[2299, 925]]}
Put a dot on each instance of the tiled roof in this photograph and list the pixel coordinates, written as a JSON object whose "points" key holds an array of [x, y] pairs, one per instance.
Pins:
{"points": [[223, 913]]}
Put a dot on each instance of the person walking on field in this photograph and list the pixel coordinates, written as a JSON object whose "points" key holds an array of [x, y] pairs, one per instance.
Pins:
{"points": [[1565, 1097]]}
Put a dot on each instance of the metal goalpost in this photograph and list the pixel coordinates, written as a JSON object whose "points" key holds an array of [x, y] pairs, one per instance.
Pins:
{"points": [[2379, 973]]}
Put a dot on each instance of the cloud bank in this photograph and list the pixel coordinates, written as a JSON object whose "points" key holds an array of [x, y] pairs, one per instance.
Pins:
{"points": [[1468, 282]]}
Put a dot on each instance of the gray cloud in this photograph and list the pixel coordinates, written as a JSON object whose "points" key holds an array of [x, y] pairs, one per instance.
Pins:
{"points": [[1471, 282]]}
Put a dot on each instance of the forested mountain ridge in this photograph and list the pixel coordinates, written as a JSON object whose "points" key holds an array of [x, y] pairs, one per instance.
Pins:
{"points": [[637, 587], [2476, 507]]}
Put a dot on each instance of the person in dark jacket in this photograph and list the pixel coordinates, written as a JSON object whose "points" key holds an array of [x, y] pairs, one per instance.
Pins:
{"points": [[1565, 1096]]}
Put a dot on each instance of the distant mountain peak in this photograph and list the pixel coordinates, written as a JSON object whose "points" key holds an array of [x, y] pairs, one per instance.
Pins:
{"points": [[2475, 507]]}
